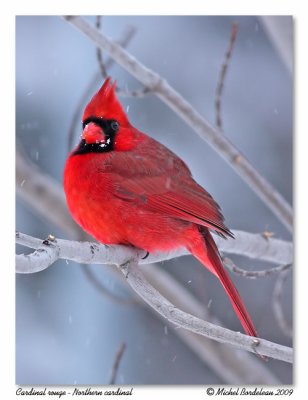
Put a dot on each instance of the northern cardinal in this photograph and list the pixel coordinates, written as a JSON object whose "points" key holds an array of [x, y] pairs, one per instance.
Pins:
{"points": [[124, 187]]}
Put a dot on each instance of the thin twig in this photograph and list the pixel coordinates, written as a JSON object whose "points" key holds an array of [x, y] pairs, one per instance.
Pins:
{"points": [[99, 53], [179, 318], [103, 68], [277, 305], [254, 274], [116, 363], [134, 93], [222, 75], [268, 194]]}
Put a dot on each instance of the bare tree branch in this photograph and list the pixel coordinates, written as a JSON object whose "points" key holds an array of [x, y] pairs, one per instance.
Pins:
{"points": [[39, 260], [222, 75], [91, 253], [222, 359], [99, 53], [134, 93], [270, 196], [253, 274], [97, 253], [184, 320], [233, 366], [103, 68], [152, 297], [116, 363]]}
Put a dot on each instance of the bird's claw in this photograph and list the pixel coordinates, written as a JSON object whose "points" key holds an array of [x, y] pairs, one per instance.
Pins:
{"points": [[146, 256]]}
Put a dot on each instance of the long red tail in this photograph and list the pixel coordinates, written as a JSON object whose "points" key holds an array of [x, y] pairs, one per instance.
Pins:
{"points": [[209, 256]]}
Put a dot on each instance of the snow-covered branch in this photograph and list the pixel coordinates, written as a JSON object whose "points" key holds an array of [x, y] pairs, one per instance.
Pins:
{"points": [[48, 251], [248, 244], [159, 86], [187, 321], [234, 366]]}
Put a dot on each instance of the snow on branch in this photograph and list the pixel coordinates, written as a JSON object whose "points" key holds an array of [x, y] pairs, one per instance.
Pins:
{"points": [[187, 321], [247, 244], [126, 259], [234, 366], [159, 86]]}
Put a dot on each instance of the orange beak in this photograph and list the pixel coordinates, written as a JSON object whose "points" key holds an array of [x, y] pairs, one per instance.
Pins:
{"points": [[93, 133]]}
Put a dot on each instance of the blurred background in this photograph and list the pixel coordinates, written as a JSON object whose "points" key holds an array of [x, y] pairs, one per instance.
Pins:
{"points": [[67, 331]]}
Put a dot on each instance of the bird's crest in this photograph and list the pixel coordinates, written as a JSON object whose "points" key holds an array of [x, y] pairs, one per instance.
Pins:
{"points": [[104, 104]]}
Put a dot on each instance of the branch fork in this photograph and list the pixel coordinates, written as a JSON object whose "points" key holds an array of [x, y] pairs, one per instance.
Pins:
{"points": [[45, 255]]}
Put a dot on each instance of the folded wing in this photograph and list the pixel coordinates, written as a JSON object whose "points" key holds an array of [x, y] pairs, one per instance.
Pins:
{"points": [[183, 199]]}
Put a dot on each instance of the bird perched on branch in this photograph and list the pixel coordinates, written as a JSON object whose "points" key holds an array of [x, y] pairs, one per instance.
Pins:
{"points": [[124, 187]]}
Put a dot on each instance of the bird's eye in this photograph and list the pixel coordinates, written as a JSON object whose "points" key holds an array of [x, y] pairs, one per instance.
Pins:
{"points": [[114, 125]]}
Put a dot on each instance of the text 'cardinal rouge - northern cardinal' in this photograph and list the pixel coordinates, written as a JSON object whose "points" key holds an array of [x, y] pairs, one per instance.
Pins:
{"points": [[124, 187]]}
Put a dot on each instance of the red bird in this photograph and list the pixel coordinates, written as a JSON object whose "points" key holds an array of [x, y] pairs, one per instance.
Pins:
{"points": [[124, 187]]}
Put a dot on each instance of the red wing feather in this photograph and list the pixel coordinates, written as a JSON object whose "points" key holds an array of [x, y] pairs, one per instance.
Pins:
{"points": [[174, 198]]}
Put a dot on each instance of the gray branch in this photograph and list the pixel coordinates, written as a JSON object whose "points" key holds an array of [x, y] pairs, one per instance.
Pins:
{"points": [[96, 253], [52, 250], [187, 321], [254, 274], [268, 194], [232, 365]]}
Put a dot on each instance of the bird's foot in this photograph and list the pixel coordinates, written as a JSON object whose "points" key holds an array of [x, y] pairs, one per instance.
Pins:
{"points": [[146, 256]]}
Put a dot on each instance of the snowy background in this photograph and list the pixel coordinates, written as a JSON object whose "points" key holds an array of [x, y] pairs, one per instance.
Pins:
{"points": [[66, 331]]}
